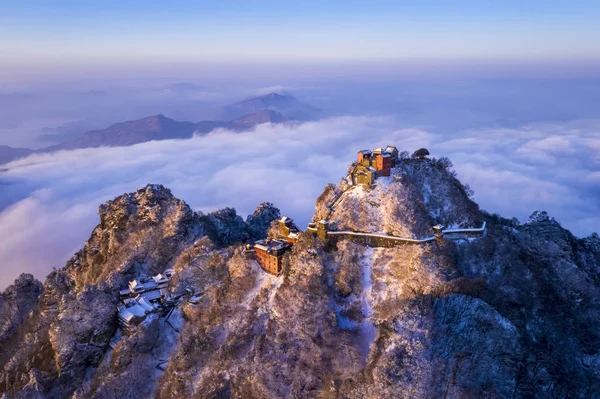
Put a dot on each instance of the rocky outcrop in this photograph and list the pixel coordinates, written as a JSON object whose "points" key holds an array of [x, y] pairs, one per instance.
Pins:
{"points": [[139, 234], [16, 302], [226, 227], [260, 221], [511, 314], [476, 351]]}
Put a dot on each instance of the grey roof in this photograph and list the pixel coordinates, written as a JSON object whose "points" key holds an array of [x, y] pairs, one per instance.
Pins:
{"points": [[131, 312], [148, 307], [151, 295]]}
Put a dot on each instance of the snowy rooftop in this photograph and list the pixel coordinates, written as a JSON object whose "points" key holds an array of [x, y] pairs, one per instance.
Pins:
{"points": [[160, 278], [135, 284], [128, 313], [268, 244], [148, 307]]}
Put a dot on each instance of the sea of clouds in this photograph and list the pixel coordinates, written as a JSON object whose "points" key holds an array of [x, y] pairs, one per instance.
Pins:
{"points": [[49, 202]]}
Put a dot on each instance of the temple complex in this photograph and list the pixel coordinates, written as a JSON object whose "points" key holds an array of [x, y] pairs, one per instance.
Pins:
{"points": [[372, 164], [143, 296]]}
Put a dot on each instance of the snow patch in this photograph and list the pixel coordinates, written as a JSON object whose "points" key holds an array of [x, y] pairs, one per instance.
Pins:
{"points": [[260, 282], [367, 328]]}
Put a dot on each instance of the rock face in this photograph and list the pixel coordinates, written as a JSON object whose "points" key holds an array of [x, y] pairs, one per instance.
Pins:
{"points": [[260, 221], [512, 314], [16, 302]]}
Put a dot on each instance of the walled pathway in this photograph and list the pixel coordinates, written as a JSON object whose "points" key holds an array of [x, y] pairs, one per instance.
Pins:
{"points": [[375, 238]]}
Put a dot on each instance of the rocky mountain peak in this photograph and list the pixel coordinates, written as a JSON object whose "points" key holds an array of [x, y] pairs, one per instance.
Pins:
{"points": [[261, 219], [152, 203], [25, 284], [151, 220], [540, 217], [592, 243], [418, 194], [226, 227], [16, 301]]}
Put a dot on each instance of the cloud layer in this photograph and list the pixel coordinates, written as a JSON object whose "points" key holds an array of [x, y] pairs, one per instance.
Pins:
{"points": [[50, 201]]}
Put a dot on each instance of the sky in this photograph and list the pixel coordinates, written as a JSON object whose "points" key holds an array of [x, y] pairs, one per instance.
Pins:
{"points": [[39, 37]]}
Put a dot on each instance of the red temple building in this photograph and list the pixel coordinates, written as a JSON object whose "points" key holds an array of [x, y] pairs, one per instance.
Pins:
{"points": [[374, 164], [269, 254]]}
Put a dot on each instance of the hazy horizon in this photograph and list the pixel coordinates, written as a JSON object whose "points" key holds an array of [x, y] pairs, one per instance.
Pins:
{"points": [[67, 40]]}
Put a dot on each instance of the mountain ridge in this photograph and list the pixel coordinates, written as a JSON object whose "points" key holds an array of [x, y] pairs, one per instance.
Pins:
{"points": [[507, 314], [160, 127], [8, 154]]}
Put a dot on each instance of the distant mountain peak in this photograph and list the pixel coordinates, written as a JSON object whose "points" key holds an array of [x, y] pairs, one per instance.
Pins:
{"points": [[8, 154], [272, 107], [275, 95], [260, 117], [158, 118], [285, 104], [268, 98]]}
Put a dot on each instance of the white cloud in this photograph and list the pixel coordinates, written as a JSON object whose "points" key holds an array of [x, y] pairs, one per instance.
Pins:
{"points": [[54, 197]]}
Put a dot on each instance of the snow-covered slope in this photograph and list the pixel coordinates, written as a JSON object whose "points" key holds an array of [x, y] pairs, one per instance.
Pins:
{"points": [[417, 196]]}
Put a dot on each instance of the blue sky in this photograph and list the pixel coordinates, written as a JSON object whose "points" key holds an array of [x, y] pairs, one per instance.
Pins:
{"points": [[225, 31], [51, 41]]}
